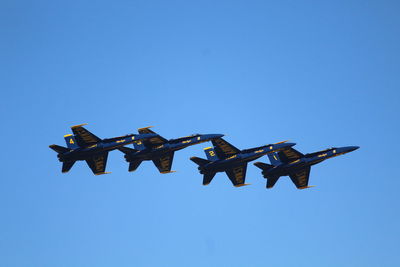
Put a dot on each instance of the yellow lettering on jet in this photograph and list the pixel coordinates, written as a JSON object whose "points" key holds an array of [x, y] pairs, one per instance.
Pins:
{"points": [[259, 151], [71, 141]]}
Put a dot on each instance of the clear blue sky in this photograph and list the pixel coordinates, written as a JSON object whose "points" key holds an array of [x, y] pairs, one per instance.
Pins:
{"points": [[318, 73]]}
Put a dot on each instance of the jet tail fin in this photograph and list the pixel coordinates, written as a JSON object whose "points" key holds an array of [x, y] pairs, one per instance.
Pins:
{"points": [[199, 161], [59, 149], [70, 141], [210, 153], [274, 158], [139, 145]]}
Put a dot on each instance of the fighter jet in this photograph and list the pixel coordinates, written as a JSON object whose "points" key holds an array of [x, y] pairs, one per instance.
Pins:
{"points": [[84, 145], [292, 163], [160, 150], [224, 157]]}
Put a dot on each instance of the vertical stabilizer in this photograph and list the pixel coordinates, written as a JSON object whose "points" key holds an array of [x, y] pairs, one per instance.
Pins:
{"points": [[210, 153], [274, 158], [139, 145], [70, 141]]}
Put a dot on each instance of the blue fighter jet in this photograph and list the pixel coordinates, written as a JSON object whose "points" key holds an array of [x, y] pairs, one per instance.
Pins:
{"points": [[84, 145], [160, 150], [292, 163], [224, 157]]}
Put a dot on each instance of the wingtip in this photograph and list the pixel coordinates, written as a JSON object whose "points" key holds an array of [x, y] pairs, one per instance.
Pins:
{"points": [[79, 125], [144, 128], [240, 185], [305, 187], [101, 173]]}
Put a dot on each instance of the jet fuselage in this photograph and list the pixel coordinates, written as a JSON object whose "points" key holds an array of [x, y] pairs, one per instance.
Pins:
{"points": [[82, 153], [244, 156], [171, 146], [308, 160]]}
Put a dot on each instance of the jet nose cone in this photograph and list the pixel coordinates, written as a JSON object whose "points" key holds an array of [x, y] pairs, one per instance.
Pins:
{"points": [[352, 148]]}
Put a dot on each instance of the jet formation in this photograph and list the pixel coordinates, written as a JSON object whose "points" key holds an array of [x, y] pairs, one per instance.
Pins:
{"points": [[222, 156]]}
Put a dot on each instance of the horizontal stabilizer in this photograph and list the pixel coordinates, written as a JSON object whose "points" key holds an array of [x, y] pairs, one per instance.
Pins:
{"points": [[208, 178], [199, 161], [59, 149], [263, 166], [271, 181], [67, 165], [133, 165]]}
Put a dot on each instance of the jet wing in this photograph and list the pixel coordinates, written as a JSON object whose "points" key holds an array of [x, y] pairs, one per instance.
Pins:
{"points": [[224, 149], [155, 140], [289, 154], [98, 163], [237, 175], [84, 137], [164, 162], [300, 179]]}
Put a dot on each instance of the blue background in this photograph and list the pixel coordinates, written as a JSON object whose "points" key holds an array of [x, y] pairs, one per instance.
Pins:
{"points": [[318, 73]]}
